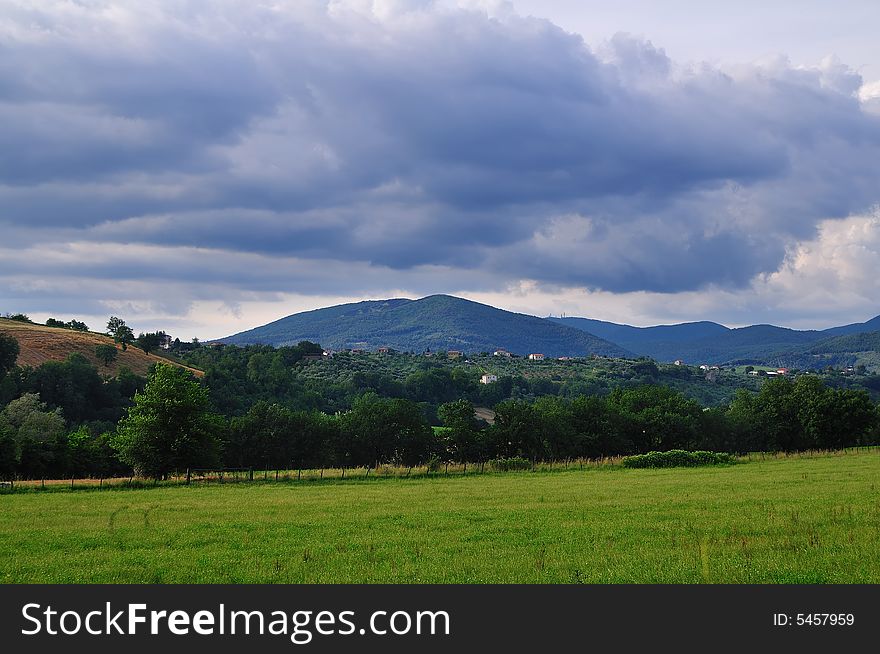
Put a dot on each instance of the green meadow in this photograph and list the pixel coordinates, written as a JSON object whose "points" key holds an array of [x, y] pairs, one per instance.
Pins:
{"points": [[791, 520]]}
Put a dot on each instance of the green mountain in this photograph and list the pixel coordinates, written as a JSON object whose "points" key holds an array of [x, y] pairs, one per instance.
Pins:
{"points": [[711, 343], [849, 349], [662, 342], [872, 325], [436, 322]]}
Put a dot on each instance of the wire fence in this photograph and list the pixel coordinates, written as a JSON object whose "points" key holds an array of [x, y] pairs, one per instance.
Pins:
{"points": [[199, 476]]}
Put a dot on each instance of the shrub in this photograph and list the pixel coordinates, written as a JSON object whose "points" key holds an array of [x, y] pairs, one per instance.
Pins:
{"points": [[677, 459], [511, 463]]}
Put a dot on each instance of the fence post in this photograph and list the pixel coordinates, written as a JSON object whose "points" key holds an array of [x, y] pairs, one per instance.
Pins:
{"points": [[447, 468], [343, 473], [71, 483], [251, 471], [187, 476]]}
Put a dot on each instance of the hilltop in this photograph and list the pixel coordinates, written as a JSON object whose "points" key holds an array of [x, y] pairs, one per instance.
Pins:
{"points": [[436, 322], [443, 322], [39, 344]]}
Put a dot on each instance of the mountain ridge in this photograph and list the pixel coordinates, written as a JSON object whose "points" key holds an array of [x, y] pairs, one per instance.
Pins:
{"points": [[444, 322], [717, 344], [435, 322]]}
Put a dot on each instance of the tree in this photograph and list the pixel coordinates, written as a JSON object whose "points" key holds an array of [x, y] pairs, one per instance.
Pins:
{"points": [[120, 332], [106, 353], [517, 430], [75, 325], [9, 350], [557, 425], [386, 430], [169, 427], [657, 417], [257, 438], [149, 341], [10, 450], [38, 433], [461, 419]]}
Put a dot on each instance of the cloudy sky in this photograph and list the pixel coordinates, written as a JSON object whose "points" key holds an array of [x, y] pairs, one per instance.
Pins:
{"points": [[205, 167]]}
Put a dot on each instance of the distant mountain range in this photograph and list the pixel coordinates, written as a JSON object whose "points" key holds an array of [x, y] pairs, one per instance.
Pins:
{"points": [[443, 322], [436, 322], [709, 342]]}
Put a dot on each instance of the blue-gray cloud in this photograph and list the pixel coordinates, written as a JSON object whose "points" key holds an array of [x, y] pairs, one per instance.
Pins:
{"points": [[498, 148]]}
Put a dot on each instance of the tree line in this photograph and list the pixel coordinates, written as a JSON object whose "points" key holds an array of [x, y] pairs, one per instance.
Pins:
{"points": [[171, 426], [64, 419]]}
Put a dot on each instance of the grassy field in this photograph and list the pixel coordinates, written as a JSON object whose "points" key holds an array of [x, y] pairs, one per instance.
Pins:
{"points": [[797, 520], [39, 344]]}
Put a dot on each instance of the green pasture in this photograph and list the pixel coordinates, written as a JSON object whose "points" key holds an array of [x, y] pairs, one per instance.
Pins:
{"points": [[794, 520]]}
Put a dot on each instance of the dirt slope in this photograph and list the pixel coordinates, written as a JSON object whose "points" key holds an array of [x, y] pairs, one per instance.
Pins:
{"points": [[40, 344]]}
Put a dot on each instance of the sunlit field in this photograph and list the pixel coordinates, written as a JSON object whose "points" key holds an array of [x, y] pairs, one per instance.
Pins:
{"points": [[792, 520]]}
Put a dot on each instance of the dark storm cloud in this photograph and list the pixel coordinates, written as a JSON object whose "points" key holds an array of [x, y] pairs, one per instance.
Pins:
{"points": [[495, 148]]}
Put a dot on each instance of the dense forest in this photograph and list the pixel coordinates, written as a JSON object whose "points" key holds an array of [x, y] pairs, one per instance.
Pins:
{"points": [[261, 407]]}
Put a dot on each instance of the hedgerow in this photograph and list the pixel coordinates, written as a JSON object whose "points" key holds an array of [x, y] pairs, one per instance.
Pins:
{"points": [[511, 463], [677, 459]]}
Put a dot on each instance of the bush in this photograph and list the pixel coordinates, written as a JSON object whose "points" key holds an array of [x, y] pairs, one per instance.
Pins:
{"points": [[677, 459], [511, 463]]}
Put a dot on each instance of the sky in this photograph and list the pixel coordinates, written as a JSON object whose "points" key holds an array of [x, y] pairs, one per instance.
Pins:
{"points": [[207, 167]]}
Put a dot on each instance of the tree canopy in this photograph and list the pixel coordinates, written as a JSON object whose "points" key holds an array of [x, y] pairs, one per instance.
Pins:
{"points": [[9, 350], [169, 427], [120, 332]]}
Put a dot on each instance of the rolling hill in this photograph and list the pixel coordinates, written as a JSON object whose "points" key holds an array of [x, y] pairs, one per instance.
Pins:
{"points": [[711, 343], [663, 342], [436, 322], [848, 349], [39, 344]]}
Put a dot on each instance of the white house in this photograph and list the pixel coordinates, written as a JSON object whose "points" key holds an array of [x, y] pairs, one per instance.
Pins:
{"points": [[501, 353], [488, 379], [536, 357], [678, 362]]}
